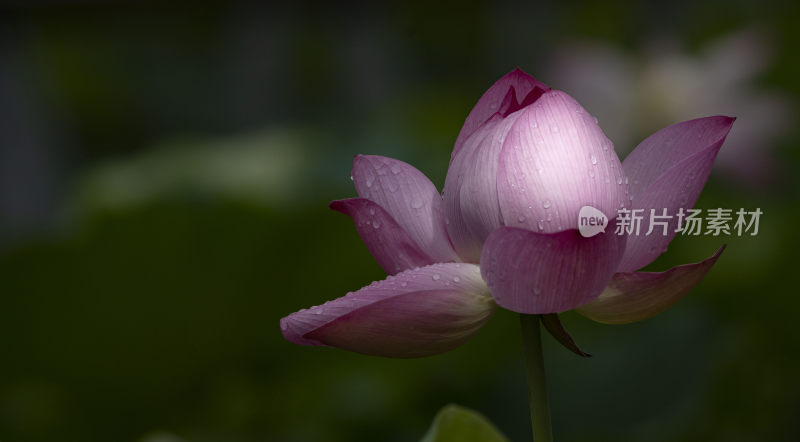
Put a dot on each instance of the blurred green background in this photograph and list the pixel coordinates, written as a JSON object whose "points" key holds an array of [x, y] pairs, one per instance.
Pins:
{"points": [[164, 177]]}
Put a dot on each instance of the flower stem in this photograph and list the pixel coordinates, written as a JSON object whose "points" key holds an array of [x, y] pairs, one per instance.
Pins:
{"points": [[537, 385]]}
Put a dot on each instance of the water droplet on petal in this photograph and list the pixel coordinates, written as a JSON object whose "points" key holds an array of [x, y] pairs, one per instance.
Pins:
{"points": [[403, 284], [376, 224], [456, 279], [626, 180], [351, 178], [436, 276], [416, 204], [546, 204], [619, 180], [593, 159], [371, 211], [284, 325], [521, 219], [540, 225]]}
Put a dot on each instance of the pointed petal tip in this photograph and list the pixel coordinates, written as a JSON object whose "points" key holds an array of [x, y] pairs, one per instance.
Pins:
{"points": [[719, 252], [636, 296], [517, 72], [338, 205]]}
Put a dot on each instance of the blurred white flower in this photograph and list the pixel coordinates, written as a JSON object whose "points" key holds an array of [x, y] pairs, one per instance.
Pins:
{"points": [[635, 94], [266, 168]]}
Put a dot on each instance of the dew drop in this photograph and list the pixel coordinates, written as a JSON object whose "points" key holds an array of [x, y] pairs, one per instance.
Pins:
{"points": [[284, 325], [416, 204], [376, 224], [540, 225], [591, 173], [546, 204], [437, 277], [403, 284], [351, 178], [593, 159], [619, 180], [456, 279], [626, 180], [595, 120], [372, 211]]}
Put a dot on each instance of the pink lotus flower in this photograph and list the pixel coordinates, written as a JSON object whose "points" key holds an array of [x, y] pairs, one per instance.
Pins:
{"points": [[505, 230]]}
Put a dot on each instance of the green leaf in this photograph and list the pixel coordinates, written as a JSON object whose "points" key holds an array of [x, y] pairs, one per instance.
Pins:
{"points": [[454, 423]]}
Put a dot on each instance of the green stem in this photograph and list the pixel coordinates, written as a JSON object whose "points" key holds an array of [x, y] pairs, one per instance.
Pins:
{"points": [[537, 385]]}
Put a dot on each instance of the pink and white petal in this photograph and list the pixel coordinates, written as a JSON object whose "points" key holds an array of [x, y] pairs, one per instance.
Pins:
{"points": [[554, 161], [388, 243], [465, 242], [661, 151], [632, 297], [668, 171], [416, 313], [492, 100], [540, 273], [479, 209], [409, 197], [675, 190]]}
